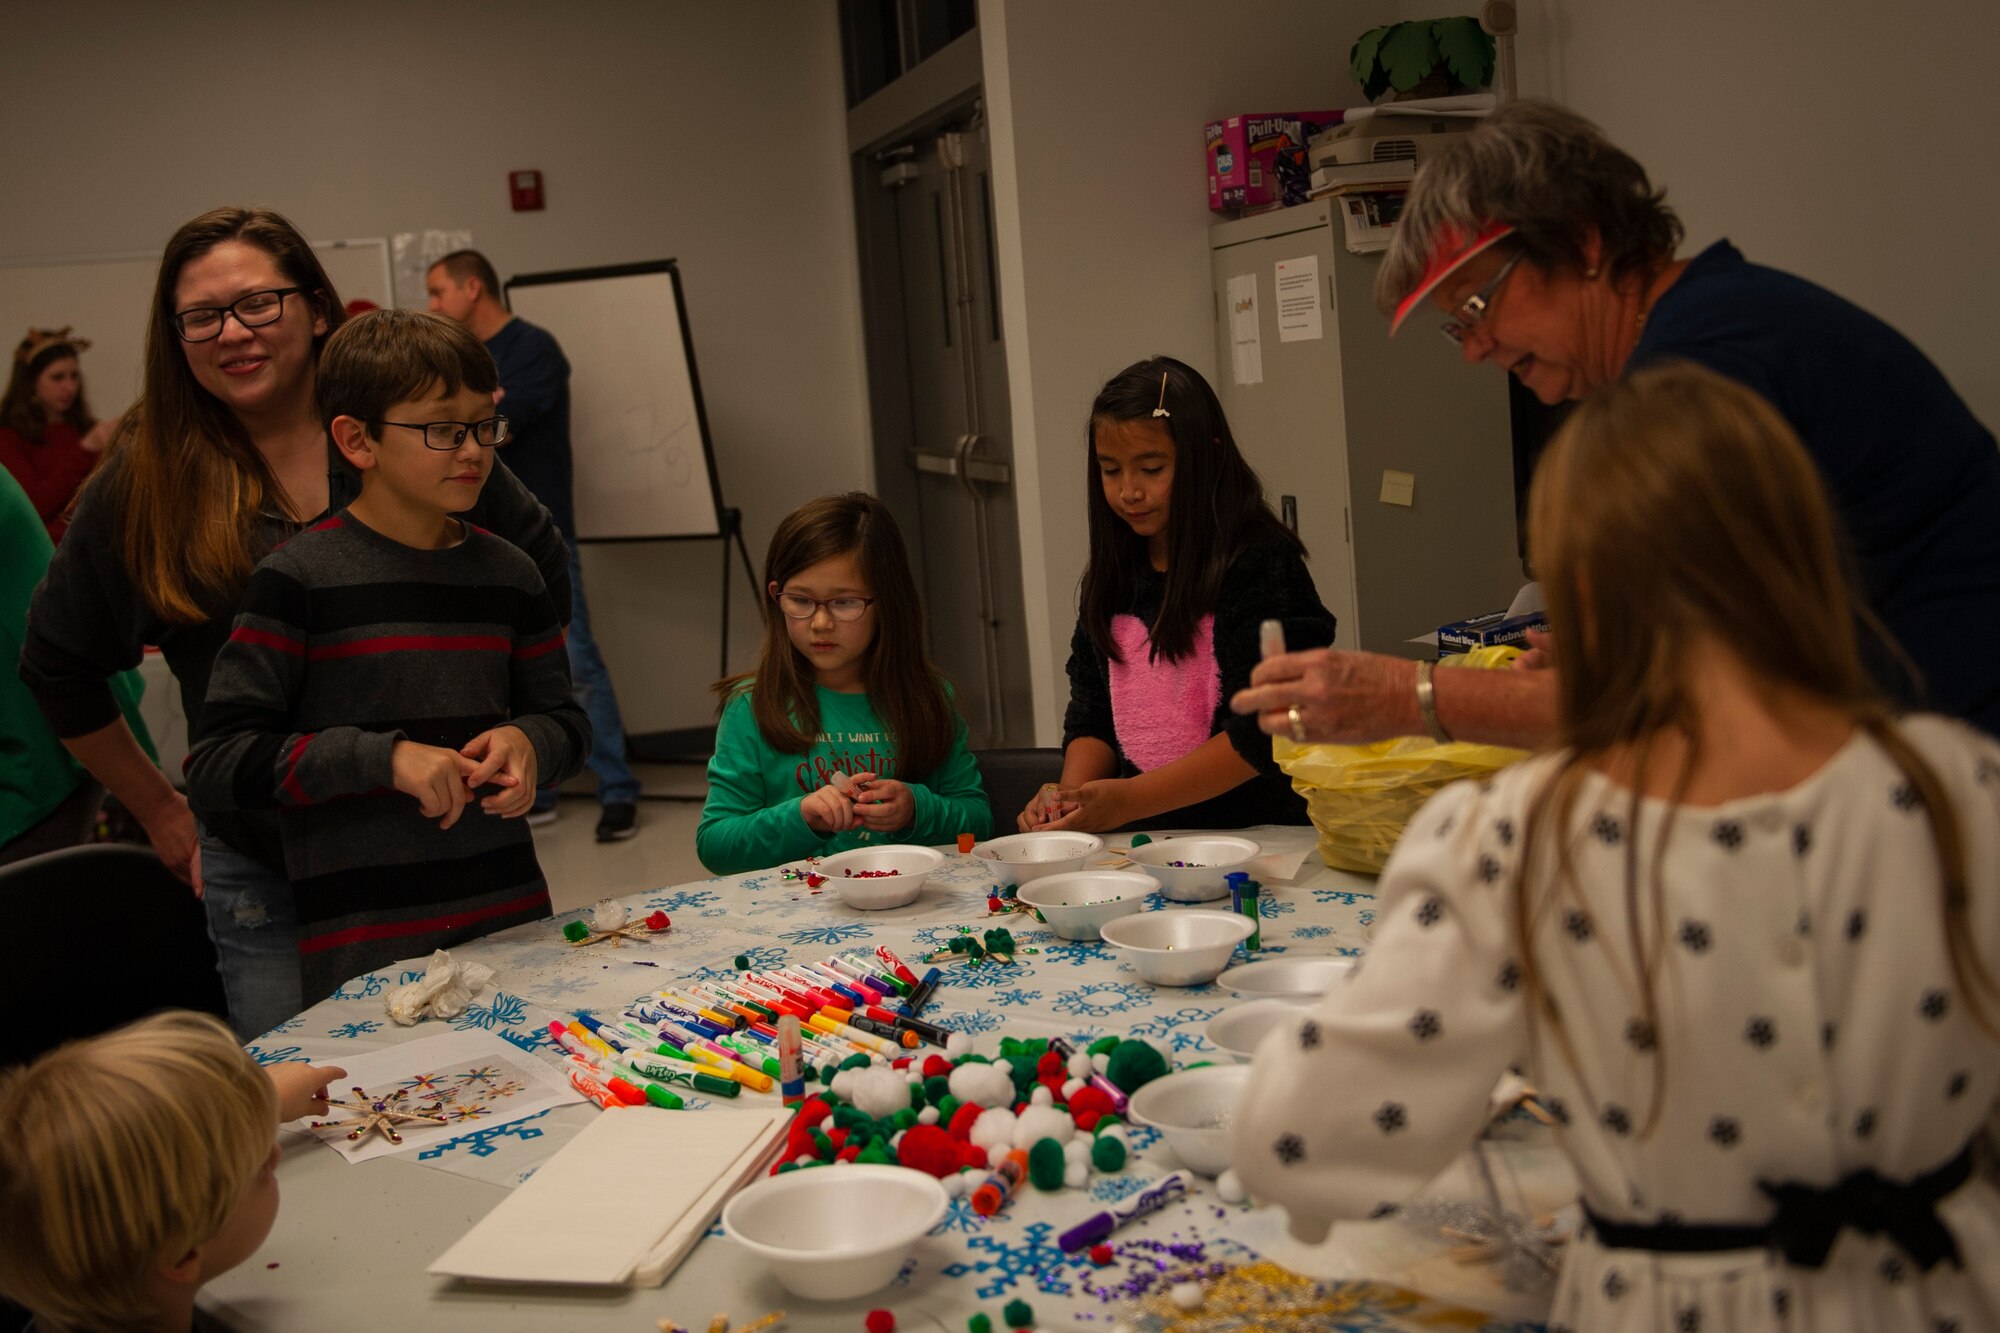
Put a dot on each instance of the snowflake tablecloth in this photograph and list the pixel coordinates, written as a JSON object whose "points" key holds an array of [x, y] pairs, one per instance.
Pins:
{"points": [[1076, 990]]}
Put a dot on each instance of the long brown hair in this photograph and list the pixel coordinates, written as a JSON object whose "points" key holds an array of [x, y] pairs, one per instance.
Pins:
{"points": [[19, 412], [1672, 505], [185, 479], [904, 686]]}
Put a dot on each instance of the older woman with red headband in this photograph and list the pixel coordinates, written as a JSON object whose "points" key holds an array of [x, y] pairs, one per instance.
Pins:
{"points": [[1548, 253]]}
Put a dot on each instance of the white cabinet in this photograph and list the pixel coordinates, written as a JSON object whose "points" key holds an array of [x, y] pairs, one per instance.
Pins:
{"points": [[1337, 417]]}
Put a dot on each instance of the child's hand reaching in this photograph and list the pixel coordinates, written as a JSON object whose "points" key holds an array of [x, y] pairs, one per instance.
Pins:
{"points": [[1093, 807], [436, 777], [1044, 807], [827, 811], [884, 804], [505, 758], [302, 1088]]}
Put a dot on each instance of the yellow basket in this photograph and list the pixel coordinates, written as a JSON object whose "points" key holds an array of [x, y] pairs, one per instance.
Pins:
{"points": [[1362, 797]]}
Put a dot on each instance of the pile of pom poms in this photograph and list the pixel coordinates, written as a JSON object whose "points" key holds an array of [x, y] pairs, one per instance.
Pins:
{"points": [[958, 1115]]}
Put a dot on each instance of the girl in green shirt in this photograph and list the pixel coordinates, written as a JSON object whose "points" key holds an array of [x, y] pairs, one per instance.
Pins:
{"points": [[845, 733]]}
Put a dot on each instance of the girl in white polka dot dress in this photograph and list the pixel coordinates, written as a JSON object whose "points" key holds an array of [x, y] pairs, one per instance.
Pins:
{"points": [[1740, 926]]}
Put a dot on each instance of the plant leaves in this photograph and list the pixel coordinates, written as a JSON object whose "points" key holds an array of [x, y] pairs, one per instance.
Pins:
{"points": [[1408, 52], [1362, 57], [1467, 49]]}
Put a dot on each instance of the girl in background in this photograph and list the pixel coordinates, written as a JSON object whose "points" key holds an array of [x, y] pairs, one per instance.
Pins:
{"points": [[1737, 928], [843, 687], [48, 439], [1186, 560]]}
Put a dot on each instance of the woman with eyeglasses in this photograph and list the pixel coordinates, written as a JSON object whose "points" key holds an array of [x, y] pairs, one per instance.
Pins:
{"points": [[223, 458], [1552, 256]]}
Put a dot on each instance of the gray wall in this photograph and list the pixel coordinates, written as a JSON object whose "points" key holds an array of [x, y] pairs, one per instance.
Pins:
{"points": [[707, 133]]}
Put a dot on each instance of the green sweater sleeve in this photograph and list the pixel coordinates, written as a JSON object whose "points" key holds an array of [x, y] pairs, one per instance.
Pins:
{"points": [[740, 830], [951, 800]]}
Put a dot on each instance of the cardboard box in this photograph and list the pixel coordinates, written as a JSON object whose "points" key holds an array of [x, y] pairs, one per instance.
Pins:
{"points": [[1261, 158], [1462, 636]]}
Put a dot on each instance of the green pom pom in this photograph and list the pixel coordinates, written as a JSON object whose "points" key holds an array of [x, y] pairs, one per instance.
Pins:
{"points": [[1012, 1046], [973, 1058], [1023, 1069], [742, 962], [904, 1118], [1011, 891], [575, 930], [787, 1166], [947, 1106], [999, 941], [1141, 839], [1035, 1046], [1045, 1169], [1019, 1314], [875, 1154], [958, 944], [822, 1145], [832, 1100], [860, 1060], [1102, 1046], [979, 1323], [973, 949], [1133, 1065], [1107, 1154], [847, 1117], [936, 1088], [811, 1073]]}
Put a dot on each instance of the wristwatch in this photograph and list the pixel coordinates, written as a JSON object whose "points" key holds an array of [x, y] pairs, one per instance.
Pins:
{"points": [[1427, 702]]}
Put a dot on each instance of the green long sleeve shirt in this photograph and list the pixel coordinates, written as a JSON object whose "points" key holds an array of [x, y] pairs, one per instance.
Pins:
{"points": [[752, 820]]}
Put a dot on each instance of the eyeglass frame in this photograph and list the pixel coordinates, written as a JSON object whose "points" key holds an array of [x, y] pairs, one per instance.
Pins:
{"points": [[503, 432], [818, 602], [227, 312], [1471, 312]]}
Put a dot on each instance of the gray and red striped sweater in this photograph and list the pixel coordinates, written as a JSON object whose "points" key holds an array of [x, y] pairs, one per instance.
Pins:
{"points": [[346, 643]]}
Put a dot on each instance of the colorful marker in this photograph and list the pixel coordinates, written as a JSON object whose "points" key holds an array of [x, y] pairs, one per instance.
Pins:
{"points": [[681, 1074], [930, 1032], [588, 1085], [888, 1032], [921, 996], [993, 1193], [865, 1041], [896, 965]]}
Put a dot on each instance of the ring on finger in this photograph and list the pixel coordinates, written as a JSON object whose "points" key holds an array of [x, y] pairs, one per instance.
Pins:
{"points": [[1298, 724]]}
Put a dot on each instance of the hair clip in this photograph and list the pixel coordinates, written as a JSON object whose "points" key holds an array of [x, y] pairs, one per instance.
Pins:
{"points": [[40, 340], [1161, 410]]}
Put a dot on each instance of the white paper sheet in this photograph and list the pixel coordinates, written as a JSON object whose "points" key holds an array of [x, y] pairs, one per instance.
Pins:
{"points": [[1245, 338], [1298, 299], [474, 1079]]}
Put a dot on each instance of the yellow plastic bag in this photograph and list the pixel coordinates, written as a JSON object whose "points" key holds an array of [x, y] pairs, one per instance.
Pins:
{"points": [[1361, 797]]}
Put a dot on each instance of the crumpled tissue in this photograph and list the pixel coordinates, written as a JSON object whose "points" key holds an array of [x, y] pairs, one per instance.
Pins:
{"points": [[443, 991]]}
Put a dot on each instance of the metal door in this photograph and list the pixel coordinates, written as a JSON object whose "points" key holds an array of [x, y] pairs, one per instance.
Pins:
{"points": [[947, 448]]}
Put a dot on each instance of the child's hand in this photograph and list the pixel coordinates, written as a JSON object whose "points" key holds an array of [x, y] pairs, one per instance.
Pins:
{"points": [[1539, 656], [436, 777], [1094, 807], [826, 811], [302, 1088], [885, 805], [507, 758], [1044, 806]]}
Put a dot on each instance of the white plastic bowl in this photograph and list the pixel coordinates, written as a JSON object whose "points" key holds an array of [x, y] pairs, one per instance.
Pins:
{"points": [[1238, 1029], [830, 1233], [1195, 1110], [1307, 974], [913, 866], [1020, 858], [1077, 904], [1178, 948], [1209, 858]]}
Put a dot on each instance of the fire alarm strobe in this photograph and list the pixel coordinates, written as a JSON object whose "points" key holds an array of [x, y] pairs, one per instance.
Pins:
{"points": [[526, 189]]}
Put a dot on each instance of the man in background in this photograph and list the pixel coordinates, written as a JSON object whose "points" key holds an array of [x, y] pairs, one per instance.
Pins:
{"points": [[534, 385]]}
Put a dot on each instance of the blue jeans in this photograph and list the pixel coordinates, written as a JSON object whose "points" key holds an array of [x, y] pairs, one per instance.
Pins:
{"points": [[255, 928], [592, 684]]}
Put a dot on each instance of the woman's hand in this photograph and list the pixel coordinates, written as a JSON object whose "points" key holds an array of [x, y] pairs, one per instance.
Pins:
{"points": [[506, 758], [1093, 807], [884, 805], [1537, 656], [171, 829], [98, 438], [1343, 698], [827, 811], [302, 1088], [436, 777]]}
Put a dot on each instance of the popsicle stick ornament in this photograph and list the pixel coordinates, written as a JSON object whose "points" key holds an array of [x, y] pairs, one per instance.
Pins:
{"points": [[381, 1115], [611, 920]]}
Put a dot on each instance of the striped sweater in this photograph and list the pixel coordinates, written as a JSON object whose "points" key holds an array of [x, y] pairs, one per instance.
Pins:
{"points": [[346, 643]]}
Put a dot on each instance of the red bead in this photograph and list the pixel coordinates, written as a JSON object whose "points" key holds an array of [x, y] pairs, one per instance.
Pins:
{"points": [[880, 1321], [1101, 1255], [658, 921]]}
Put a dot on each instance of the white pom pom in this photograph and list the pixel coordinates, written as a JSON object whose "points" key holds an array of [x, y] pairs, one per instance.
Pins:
{"points": [[1100, 1064], [993, 1131], [1229, 1187], [1077, 1150], [1186, 1295], [982, 1085], [842, 1161], [928, 1116], [1042, 1122], [1079, 1065], [805, 1159], [954, 1185], [997, 1154], [609, 915], [1071, 1087], [1041, 1096], [1076, 1175], [957, 1044], [879, 1092], [1115, 1130]]}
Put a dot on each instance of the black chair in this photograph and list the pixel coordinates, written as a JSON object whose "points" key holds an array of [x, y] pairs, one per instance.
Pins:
{"points": [[96, 937], [1012, 777]]}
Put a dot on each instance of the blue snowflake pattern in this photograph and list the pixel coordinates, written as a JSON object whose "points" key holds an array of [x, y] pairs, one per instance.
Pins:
{"points": [[714, 911], [1141, 1137], [1347, 951], [959, 1217], [411, 974], [1367, 917], [360, 988], [1270, 907], [1312, 932], [1173, 1029], [1010, 998], [289, 1025], [1077, 953], [987, 976], [755, 883], [568, 983], [1114, 1189], [503, 1010], [528, 1039], [486, 1142], [1345, 897], [831, 933], [1038, 1259], [972, 1022], [360, 1029], [1099, 999], [760, 957], [684, 900], [935, 937], [283, 1055]]}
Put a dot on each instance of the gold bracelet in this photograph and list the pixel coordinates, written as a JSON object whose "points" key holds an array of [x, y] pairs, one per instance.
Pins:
{"points": [[1427, 702]]}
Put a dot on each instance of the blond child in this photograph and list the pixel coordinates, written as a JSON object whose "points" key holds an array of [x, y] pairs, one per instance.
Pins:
{"points": [[137, 1166]]}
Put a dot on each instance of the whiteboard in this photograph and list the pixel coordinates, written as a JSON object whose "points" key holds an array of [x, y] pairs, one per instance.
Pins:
{"points": [[643, 466], [107, 298]]}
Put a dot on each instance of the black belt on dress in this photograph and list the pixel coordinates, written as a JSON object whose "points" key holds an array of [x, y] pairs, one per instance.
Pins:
{"points": [[1810, 1219]]}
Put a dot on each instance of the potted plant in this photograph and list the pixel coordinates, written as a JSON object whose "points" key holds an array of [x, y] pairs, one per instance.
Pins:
{"points": [[1423, 58]]}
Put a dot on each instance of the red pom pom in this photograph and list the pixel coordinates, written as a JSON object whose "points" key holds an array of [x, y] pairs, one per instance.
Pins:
{"points": [[1101, 1255], [1087, 1120], [995, 905], [1050, 1063], [1054, 1083], [848, 1154], [935, 1066], [971, 1154], [880, 1321], [838, 1138], [961, 1120], [658, 921], [929, 1149], [812, 1111]]}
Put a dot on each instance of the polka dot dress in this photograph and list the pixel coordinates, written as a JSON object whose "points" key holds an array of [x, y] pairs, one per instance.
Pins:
{"points": [[1807, 1024]]}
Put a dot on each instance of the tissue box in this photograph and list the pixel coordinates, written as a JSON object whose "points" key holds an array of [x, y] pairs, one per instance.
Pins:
{"points": [[1462, 636], [1261, 158]]}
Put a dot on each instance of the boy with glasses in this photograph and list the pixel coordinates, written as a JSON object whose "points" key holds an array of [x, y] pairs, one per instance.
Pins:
{"points": [[392, 667]]}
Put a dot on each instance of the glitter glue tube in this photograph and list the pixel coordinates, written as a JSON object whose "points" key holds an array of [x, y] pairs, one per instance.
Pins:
{"points": [[1243, 900], [853, 1034], [681, 1074], [791, 1061], [1119, 1100], [1271, 638], [996, 1189], [921, 996], [1150, 1200], [896, 965]]}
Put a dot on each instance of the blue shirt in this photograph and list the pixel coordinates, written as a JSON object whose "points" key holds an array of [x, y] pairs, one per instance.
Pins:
{"points": [[535, 375], [1914, 476]]}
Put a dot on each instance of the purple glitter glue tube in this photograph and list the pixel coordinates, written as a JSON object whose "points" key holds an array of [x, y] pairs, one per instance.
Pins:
{"points": [[1119, 1100], [1149, 1200]]}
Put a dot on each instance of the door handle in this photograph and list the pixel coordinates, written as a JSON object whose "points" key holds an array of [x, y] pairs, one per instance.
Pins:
{"points": [[972, 469]]}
